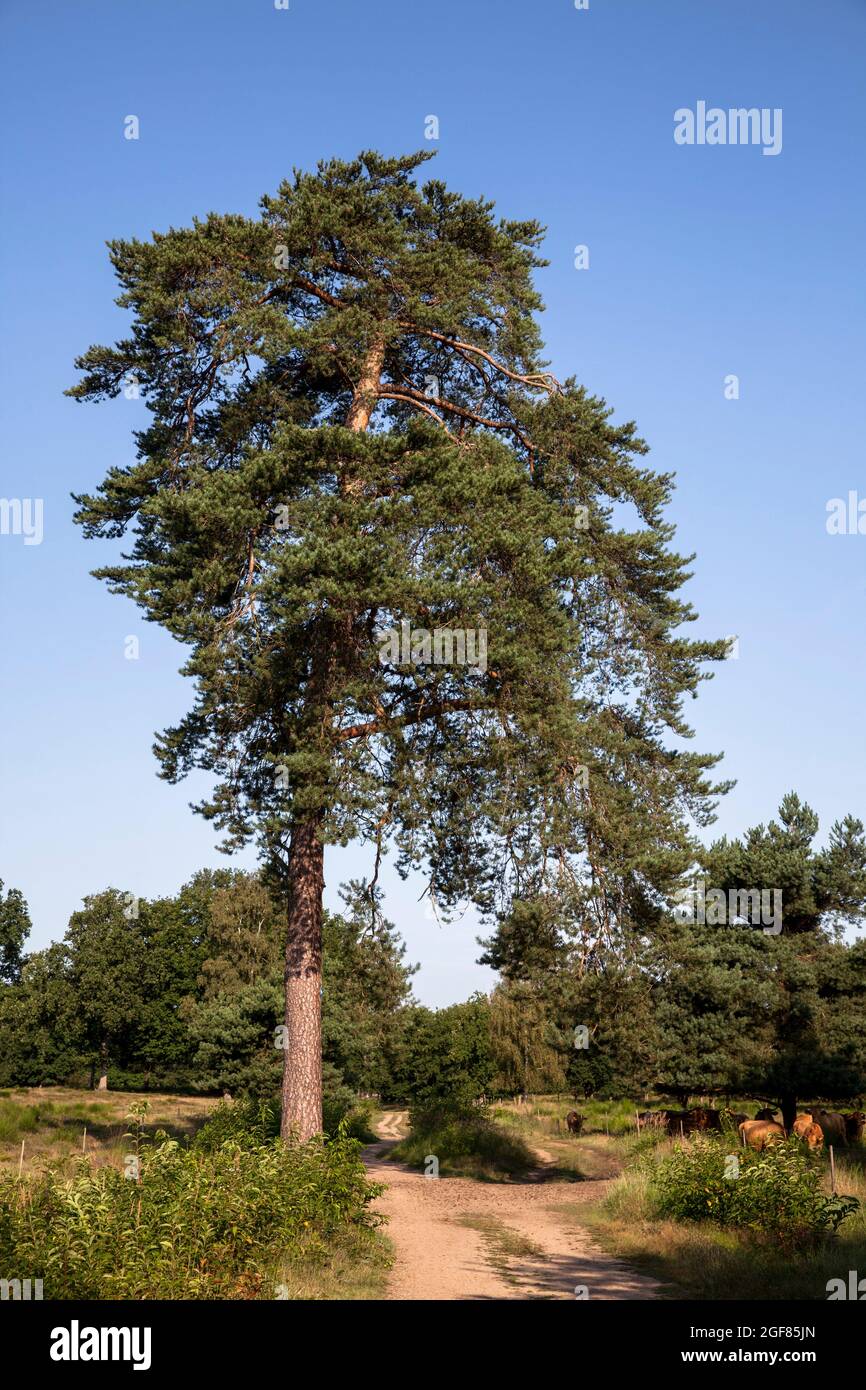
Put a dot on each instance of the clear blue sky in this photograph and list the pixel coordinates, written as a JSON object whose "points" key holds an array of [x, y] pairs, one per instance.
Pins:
{"points": [[704, 261]]}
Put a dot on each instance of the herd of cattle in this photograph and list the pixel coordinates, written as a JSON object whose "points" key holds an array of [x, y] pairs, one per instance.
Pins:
{"points": [[815, 1128]]}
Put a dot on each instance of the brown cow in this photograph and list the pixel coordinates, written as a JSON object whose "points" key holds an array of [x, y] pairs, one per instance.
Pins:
{"points": [[574, 1122], [811, 1134], [679, 1121], [832, 1125], [706, 1119], [734, 1118], [652, 1119], [854, 1122], [758, 1134]]}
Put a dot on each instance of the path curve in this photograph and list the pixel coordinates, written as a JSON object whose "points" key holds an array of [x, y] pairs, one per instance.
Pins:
{"points": [[455, 1238]]}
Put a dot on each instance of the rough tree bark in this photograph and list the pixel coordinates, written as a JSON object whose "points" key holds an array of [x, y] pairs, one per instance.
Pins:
{"points": [[302, 1059], [103, 1067], [367, 388]]}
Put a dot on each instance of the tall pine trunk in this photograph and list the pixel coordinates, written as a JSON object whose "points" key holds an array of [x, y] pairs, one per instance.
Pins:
{"points": [[302, 1058], [103, 1067]]}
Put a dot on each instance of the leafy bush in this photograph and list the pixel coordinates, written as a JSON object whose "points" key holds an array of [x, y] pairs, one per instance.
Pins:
{"points": [[465, 1141], [251, 1122], [215, 1220], [776, 1193], [355, 1121]]}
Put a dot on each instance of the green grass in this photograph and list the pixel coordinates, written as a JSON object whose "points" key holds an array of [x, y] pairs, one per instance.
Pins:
{"points": [[353, 1267], [698, 1260], [51, 1122], [466, 1144], [502, 1244], [544, 1116], [609, 1136], [16, 1121], [702, 1260]]}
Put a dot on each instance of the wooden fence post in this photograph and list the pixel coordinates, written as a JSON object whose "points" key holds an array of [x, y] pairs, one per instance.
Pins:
{"points": [[832, 1172]]}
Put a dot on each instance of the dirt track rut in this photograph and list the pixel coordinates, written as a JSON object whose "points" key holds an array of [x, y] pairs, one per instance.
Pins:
{"points": [[456, 1238]]}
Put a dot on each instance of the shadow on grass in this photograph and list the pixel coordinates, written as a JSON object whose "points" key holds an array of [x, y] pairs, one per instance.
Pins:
{"points": [[53, 1122], [703, 1261]]}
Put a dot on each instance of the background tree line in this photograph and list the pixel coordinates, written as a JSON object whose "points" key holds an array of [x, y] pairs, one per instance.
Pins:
{"points": [[186, 992]]}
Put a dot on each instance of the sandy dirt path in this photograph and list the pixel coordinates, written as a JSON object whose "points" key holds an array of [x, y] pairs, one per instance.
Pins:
{"points": [[455, 1238]]}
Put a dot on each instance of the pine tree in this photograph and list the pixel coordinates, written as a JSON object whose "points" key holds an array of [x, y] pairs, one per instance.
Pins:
{"points": [[353, 434], [816, 988]]}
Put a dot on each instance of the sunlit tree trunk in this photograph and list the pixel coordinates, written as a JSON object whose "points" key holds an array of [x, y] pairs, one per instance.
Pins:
{"points": [[302, 1064]]}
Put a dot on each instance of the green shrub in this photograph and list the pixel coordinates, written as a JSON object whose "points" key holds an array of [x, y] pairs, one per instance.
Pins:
{"points": [[465, 1141], [342, 1111], [356, 1123], [776, 1193], [250, 1122], [215, 1220]]}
